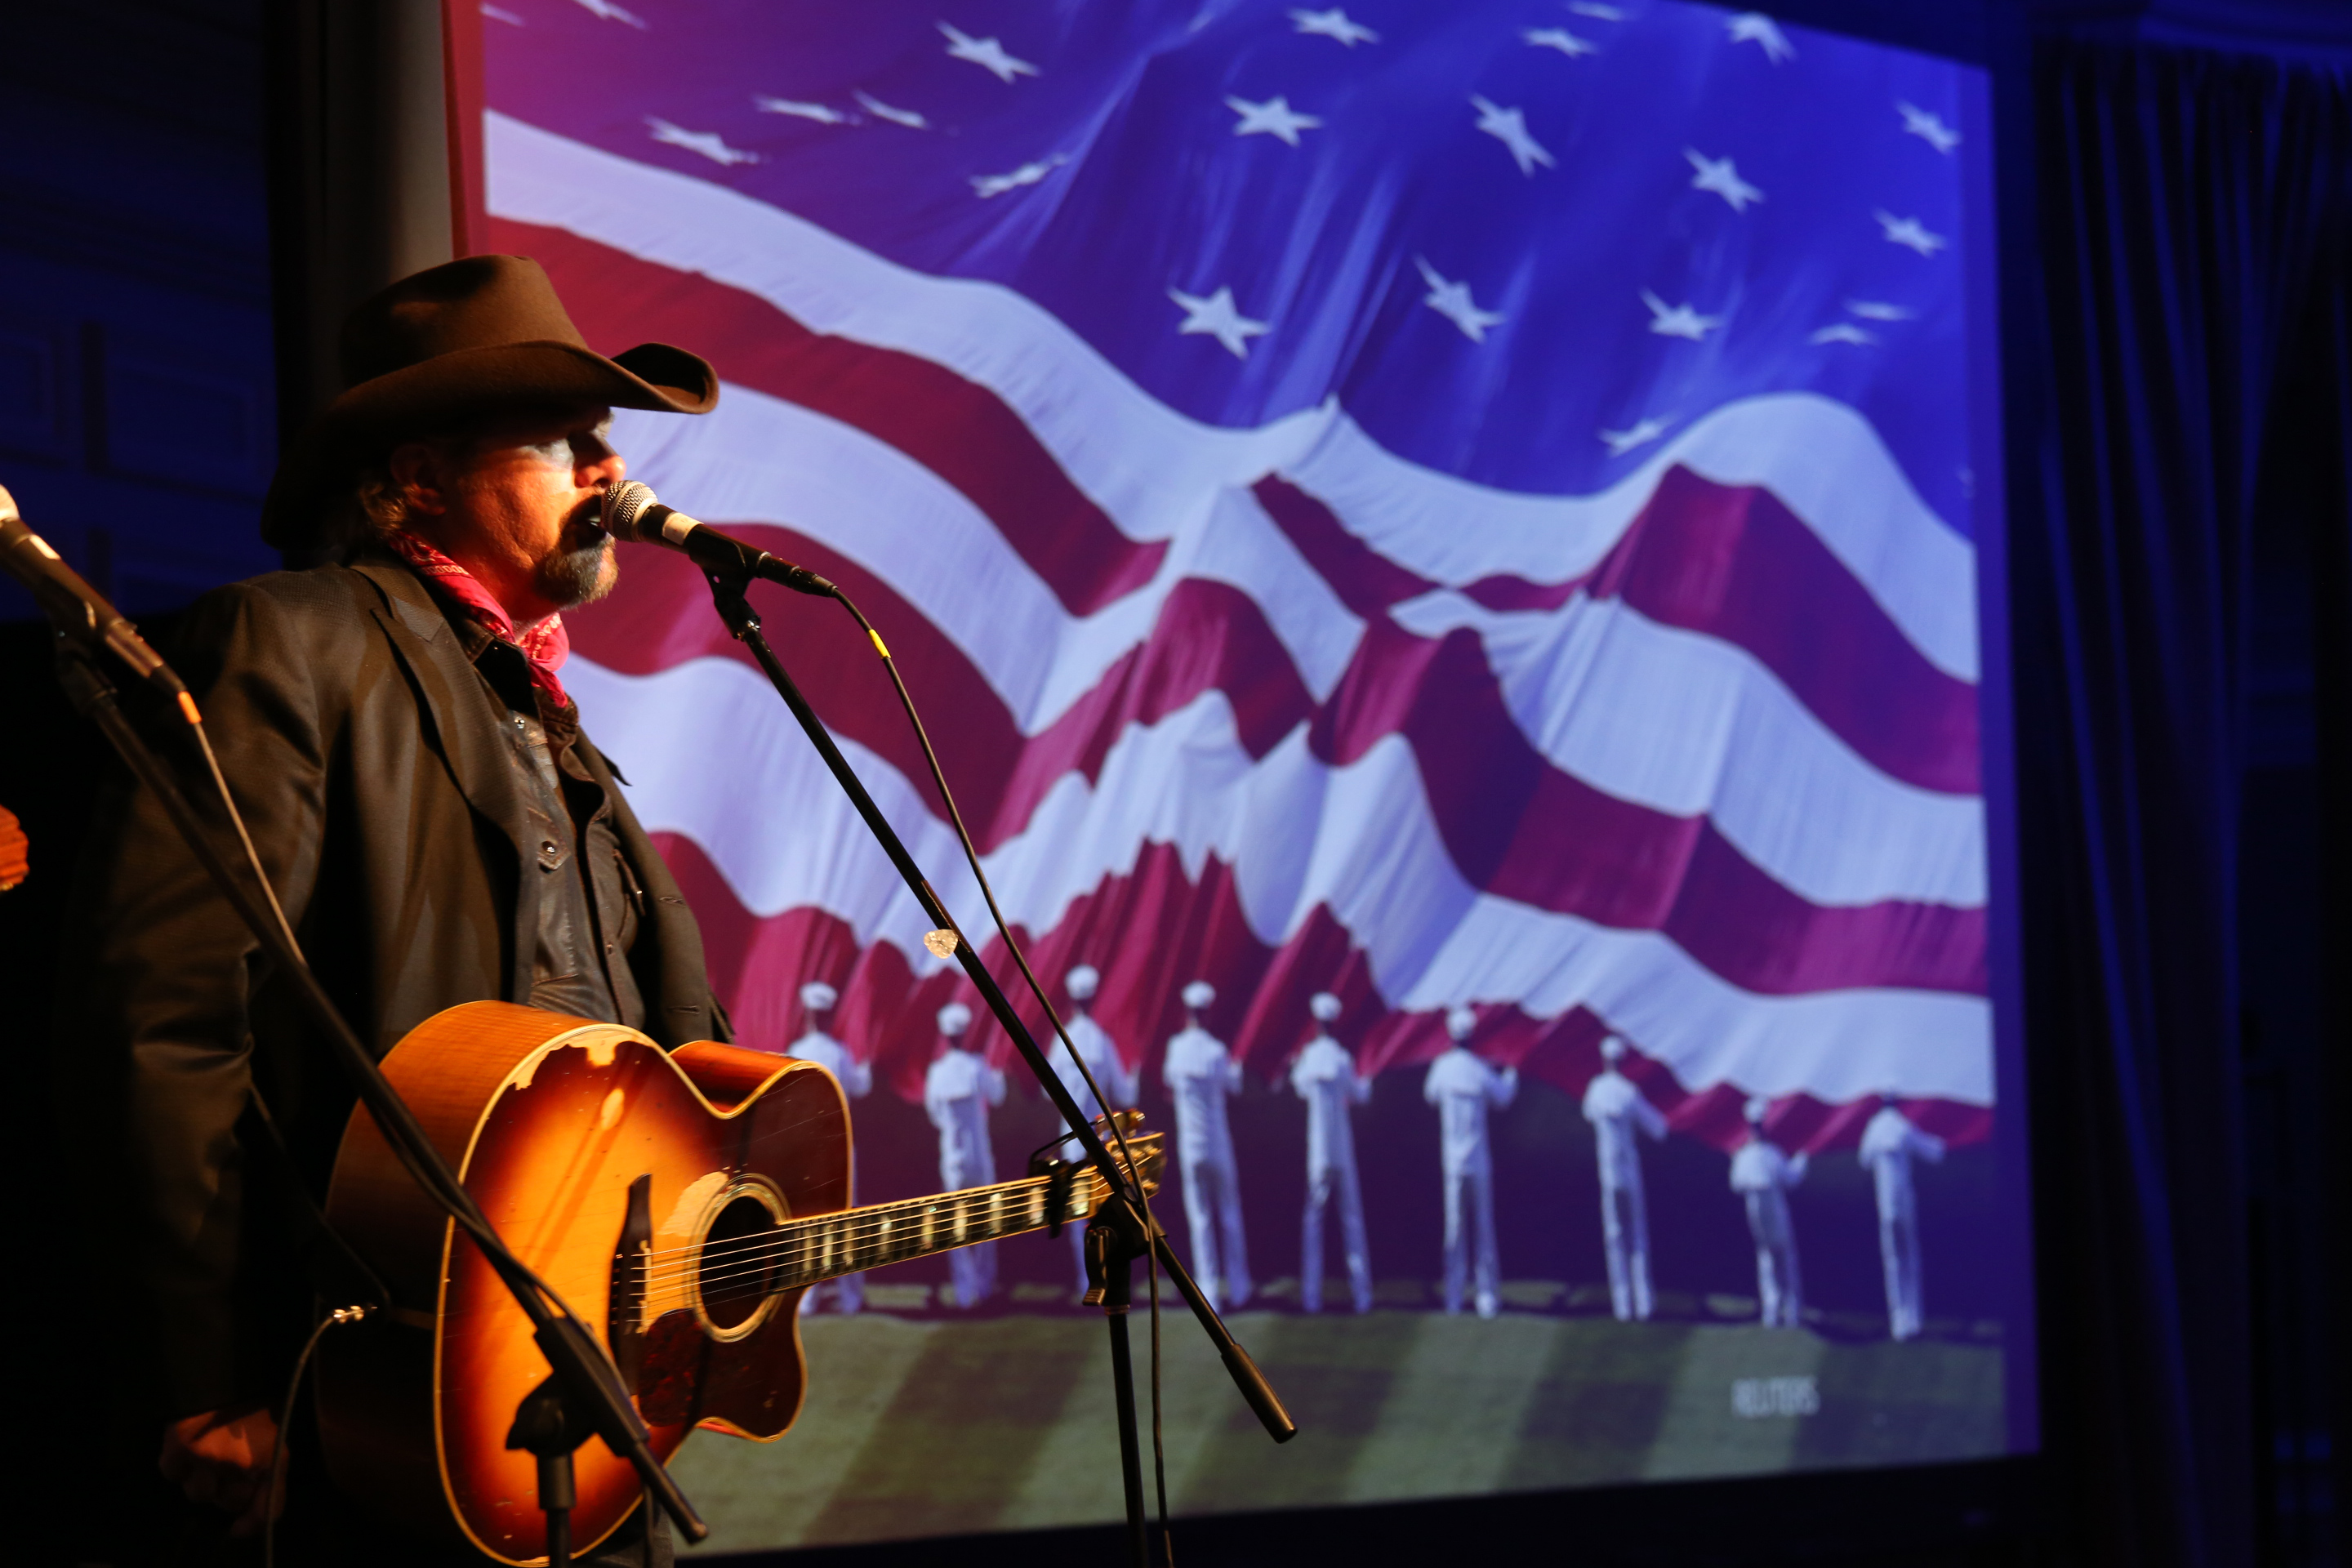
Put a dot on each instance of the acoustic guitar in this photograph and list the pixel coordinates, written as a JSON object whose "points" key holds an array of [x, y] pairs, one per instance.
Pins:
{"points": [[680, 1202]]}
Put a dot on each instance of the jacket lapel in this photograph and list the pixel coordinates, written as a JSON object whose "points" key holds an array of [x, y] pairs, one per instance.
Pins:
{"points": [[464, 723]]}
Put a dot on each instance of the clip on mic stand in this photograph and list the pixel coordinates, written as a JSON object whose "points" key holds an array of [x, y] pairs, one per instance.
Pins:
{"points": [[581, 1394], [1127, 1236]]}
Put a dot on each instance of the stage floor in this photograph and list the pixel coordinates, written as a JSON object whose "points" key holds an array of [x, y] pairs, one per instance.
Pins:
{"points": [[935, 1426]]}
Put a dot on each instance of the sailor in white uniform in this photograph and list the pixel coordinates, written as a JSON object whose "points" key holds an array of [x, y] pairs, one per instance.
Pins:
{"points": [[1763, 1176], [856, 1081], [1325, 1077], [1463, 1085], [1199, 1073], [1111, 1072], [1889, 1144], [1619, 1114], [957, 1092]]}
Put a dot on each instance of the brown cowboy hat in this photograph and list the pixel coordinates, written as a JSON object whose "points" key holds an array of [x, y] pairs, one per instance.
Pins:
{"points": [[470, 337]]}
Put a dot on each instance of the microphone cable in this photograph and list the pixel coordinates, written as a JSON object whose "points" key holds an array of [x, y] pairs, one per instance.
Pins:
{"points": [[1136, 1195]]}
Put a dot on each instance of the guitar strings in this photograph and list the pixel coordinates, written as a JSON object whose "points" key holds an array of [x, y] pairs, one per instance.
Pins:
{"points": [[739, 1283], [763, 1253], [672, 1260], [761, 1256], [962, 1196]]}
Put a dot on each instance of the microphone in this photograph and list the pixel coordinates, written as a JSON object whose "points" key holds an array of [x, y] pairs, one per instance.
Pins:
{"points": [[631, 513], [78, 610]]}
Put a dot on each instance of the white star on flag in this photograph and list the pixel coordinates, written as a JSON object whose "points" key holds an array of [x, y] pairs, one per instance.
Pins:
{"points": [[1644, 431], [874, 106], [1718, 176], [707, 142], [1559, 39], [1843, 333], [1908, 231], [1028, 174], [822, 113], [1877, 311], [1274, 117], [1509, 127], [606, 11], [1334, 24], [1452, 302], [985, 53], [1678, 321], [1755, 27], [1217, 317], [1595, 9], [1929, 128]]}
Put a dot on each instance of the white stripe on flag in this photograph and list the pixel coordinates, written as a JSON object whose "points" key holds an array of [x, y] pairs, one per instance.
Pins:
{"points": [[1356, 839], [1676, 720]]}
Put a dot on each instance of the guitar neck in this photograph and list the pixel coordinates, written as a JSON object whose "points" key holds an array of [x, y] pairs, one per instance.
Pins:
{"points": [[826, 1246]]}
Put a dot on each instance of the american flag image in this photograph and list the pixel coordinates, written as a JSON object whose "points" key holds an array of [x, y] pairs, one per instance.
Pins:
{"points": [[1464, 504]]}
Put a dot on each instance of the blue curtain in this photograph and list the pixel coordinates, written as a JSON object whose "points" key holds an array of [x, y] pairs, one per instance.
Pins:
{"points": [[2190, 211]]}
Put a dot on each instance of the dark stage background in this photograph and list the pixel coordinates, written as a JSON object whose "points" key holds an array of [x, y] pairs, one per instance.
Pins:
{"points": [[2176, 184]]}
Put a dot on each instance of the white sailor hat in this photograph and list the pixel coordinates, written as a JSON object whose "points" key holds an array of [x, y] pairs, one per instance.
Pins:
{"points": [[817, 997], [1082, 982], [1324, 1006], [954, 1019], [1199, 995], [1756, 1108], [1461, 1023], [1612, 1048]]}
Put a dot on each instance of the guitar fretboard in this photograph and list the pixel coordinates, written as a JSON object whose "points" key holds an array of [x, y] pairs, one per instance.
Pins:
{"points": [[826, 1246]]}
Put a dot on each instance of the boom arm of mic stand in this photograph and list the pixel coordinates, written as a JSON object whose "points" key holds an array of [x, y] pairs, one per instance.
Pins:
{"points": [[573, 1355], [743, 622]]}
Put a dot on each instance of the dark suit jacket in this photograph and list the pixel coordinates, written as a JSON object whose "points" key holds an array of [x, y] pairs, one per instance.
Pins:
{"points": [[364, 751]]}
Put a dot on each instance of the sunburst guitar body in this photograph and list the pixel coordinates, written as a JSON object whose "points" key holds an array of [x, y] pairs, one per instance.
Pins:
{"points": [[680, 1203]]}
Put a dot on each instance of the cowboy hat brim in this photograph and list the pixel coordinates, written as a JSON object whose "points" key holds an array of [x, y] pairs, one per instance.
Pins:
{"points": [[448, 388]]}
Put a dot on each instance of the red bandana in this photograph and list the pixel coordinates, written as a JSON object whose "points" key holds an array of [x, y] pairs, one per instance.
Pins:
{"points": [[544, 644]]}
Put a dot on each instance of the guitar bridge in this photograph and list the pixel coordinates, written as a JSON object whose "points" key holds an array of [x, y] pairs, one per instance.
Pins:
{"points": [[625, 1302]]}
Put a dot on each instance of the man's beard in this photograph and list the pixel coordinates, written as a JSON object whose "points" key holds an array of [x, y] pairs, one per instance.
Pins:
{"points": [[579, 570]]}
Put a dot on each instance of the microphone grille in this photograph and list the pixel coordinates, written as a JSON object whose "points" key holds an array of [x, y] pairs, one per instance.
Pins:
{"points": [[623, 504]]}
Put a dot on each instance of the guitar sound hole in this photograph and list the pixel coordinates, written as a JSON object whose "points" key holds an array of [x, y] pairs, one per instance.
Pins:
{"points": [[738, 1270]]}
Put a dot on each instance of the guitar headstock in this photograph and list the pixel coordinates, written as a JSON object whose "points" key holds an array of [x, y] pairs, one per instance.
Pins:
{"points": [[1146, 1158]]}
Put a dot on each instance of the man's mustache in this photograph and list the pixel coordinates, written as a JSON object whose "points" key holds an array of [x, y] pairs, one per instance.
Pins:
{"points": [[585, 529]]}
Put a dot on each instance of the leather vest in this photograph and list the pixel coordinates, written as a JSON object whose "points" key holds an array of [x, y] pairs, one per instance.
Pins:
{"points": [[591, 901]]}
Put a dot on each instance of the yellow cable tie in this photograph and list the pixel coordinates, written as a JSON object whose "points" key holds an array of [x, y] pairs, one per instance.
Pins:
{"points": [[879, 645], [188, 706]]}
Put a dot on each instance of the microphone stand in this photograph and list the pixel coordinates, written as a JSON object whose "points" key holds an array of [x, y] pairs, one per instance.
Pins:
{"points": [[581, 1395], [1127, 1236]]}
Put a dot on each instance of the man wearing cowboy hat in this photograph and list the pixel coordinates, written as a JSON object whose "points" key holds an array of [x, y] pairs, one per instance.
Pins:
{"points": [[437, 827]]}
